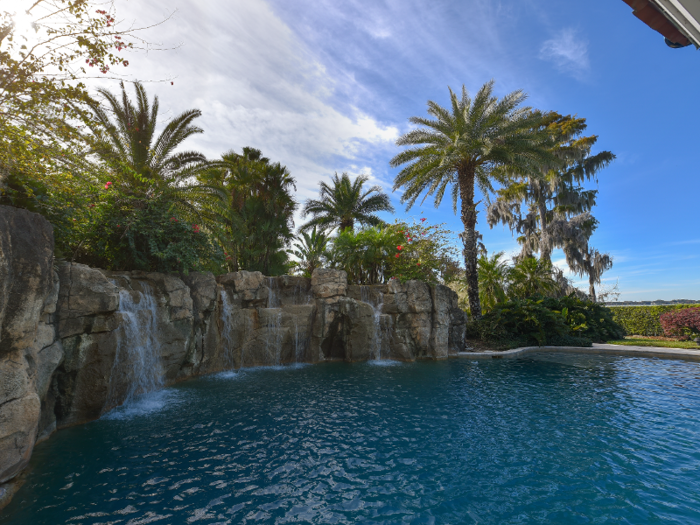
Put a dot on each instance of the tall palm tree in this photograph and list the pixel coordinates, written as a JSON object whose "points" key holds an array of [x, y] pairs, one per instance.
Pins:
{"points": [[129, 145], [465, 146], [248, 205], [343, 202], [557, 205]]}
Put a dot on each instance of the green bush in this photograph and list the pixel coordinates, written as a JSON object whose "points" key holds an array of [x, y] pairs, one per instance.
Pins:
{"points": [[129, 233], [644, 320], [568, 321]]}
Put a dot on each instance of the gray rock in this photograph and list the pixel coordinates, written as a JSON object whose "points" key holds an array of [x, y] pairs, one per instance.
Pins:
{"points": [[328, 283]]}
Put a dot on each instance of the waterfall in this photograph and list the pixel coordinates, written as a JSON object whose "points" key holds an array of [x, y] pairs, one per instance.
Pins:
{"points": [[273, 300], [379, 329], [227, 328], [273, 334], [138, 350]]}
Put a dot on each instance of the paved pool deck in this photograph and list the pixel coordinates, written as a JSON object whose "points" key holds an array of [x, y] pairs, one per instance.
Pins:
{"points": [[604, 349]]}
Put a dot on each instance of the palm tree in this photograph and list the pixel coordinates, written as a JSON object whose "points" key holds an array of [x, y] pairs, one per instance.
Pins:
{"points": [[129, 144], [557, 205], [493, 273], [466, 146], [248, 205], [311, 251], [530, 277], [344, 202]]}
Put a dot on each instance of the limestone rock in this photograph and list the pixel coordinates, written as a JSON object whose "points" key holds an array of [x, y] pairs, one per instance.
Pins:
{"points": [[26, 275], [327, 283]]}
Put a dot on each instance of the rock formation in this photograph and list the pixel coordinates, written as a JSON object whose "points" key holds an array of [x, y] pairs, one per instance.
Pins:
{"points": [[77, 341]]}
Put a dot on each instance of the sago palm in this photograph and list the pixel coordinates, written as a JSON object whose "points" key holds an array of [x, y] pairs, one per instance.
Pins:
{"points": [[344, 202], [464, 146]]}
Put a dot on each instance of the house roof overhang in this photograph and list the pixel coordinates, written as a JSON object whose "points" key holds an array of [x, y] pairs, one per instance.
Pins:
{"points": [[677, 20]]}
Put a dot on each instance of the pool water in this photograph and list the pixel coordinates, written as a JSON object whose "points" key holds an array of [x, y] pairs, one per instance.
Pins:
{"points": [[548, 438]]}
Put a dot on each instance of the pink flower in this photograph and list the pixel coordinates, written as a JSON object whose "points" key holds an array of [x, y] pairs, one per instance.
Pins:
{"points": [[108, 185], [423, 219]]}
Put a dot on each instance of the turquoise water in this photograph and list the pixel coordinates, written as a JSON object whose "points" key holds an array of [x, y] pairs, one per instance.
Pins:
{"points": [[544, 439]]}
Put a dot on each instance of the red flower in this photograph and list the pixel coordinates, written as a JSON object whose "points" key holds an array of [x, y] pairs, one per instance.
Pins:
{"points": [[399, 247], [418, 264], [423, 219], [108, 185], [397, 255]]}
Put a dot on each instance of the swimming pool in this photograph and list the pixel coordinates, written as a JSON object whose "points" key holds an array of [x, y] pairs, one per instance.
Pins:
{"points": [[546, 438]]}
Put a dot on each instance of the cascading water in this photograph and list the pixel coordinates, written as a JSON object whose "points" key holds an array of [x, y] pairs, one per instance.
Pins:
{"points": [[138, 358], [273, 332], [227, 328], [379, 329]]}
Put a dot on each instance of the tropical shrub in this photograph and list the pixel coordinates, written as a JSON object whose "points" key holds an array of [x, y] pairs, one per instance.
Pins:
{"points": [[398, 251], [644, 320], [127, 232], [568, 321], [681, 322]]}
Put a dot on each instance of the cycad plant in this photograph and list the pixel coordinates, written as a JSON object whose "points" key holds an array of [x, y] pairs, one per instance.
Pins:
{"points": [[344, 202], [465, 146]]}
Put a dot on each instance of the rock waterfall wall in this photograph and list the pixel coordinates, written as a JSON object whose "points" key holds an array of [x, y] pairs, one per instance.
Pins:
{"points": [[77, 341]]}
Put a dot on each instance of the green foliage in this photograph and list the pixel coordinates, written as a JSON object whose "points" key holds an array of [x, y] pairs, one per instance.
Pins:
{"points": [[247, 203], [567, 321], [123, 232], [344, 202], [493, 276], [41, 93], [311, 251], [644, 320], [530, 277], [398, 251]]}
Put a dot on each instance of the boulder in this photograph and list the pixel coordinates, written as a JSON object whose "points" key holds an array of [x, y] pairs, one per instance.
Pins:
{"points": [[326, 284]]}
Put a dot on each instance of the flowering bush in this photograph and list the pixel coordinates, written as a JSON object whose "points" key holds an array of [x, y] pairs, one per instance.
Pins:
{"points": [[126, 232], [681, 323], [398, 251]]}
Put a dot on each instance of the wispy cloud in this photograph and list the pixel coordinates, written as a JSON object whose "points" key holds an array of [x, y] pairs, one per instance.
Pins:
{"points": [[568, 52]]}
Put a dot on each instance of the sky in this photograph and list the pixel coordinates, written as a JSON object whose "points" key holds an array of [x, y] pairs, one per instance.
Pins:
{"points": [[324, 86]]}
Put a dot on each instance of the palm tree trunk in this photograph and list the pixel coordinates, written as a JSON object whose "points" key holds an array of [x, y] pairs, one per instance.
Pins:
{"points": [[469, 237]]}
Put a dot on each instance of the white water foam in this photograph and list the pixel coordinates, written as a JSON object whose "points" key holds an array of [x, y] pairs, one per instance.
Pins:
{"points": [[138, 352], [146, 404]]}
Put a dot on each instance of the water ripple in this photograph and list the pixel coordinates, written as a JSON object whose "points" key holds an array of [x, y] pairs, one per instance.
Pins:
{"points": [[543, 439]]}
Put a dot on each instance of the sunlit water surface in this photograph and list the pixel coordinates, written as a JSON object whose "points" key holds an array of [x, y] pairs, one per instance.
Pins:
{"points": [[543, 439]]}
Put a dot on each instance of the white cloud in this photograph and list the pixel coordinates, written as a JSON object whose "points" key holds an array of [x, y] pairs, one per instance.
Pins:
{"points": [[257, 85], [568, 52]]}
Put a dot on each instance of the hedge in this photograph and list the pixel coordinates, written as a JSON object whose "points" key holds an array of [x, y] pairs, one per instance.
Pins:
{"points": [[644, 320]]}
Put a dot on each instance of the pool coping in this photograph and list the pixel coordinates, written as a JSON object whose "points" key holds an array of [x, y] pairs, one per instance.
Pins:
{"points": [[596, 349]]}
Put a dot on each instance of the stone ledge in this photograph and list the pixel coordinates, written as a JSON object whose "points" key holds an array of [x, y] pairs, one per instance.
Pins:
{"points": [[622, 350]]}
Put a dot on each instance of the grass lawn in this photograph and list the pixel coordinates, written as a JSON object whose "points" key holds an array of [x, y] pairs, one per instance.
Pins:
{"points": [[655, 342]]}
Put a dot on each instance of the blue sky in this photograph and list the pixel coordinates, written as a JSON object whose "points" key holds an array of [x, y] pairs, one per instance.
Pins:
{"points": [[325, 86]]}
